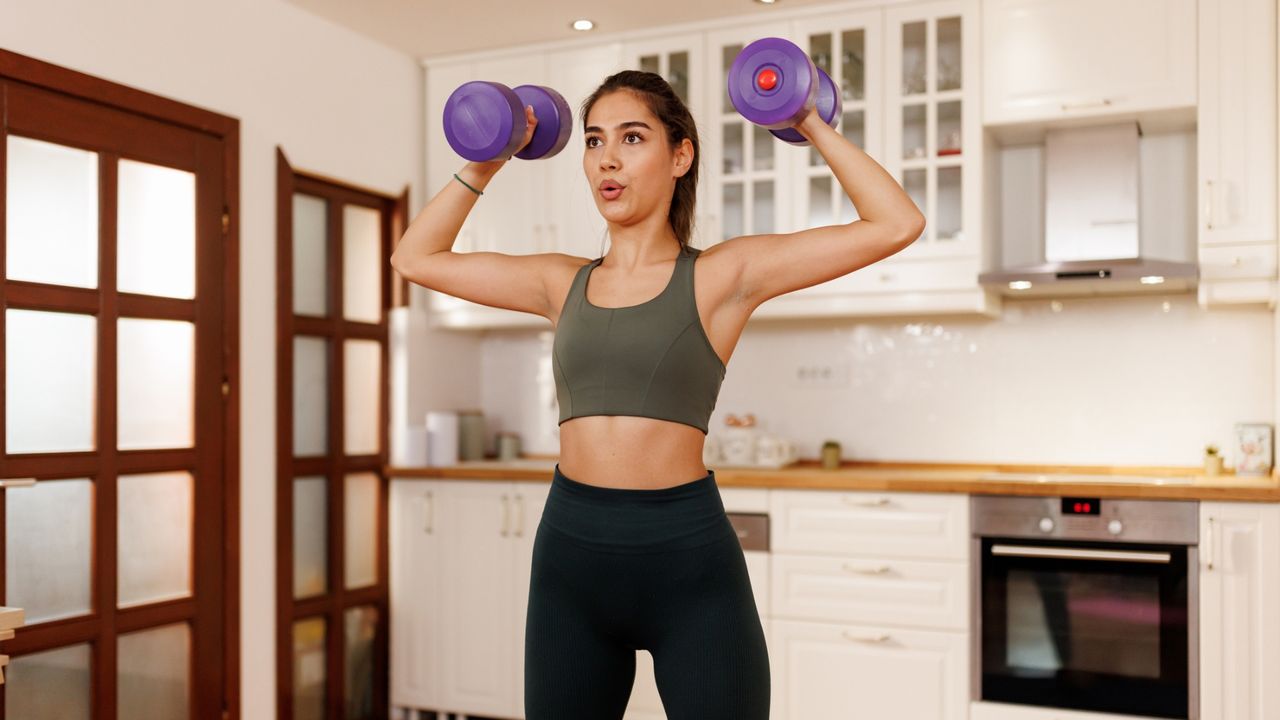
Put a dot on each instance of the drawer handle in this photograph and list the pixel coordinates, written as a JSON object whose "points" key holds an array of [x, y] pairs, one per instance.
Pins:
{"points": [[878, 502], [877, 570], [867, 639]]}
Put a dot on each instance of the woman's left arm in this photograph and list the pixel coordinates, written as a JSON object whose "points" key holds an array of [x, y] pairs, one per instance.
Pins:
{"points": [[773, 264]]}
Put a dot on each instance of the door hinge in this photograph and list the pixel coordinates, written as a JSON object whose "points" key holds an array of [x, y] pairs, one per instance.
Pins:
{"points": [[226, 222], [226, 387]]}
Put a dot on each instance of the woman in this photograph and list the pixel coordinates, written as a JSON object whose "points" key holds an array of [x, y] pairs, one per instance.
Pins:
{"points": [[631, 551]]}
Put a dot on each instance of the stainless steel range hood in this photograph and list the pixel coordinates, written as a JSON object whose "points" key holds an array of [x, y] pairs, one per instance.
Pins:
{"points": [[1092, 222]]}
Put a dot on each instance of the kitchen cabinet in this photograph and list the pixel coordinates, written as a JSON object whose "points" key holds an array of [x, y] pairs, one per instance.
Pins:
{"points": [[1236, 151], [1239, 626], [870, 606], [460, 553], [1051, 60]]}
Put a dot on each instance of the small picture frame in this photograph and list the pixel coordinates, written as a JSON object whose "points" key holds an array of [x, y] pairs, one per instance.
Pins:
{"points": [[1254, 449]]}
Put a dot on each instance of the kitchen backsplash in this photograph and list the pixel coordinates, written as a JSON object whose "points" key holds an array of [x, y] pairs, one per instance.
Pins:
{"points": [[1110, 381]]}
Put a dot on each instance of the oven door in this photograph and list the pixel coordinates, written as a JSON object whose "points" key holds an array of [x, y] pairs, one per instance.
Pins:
{"points": [[1090, 626]]}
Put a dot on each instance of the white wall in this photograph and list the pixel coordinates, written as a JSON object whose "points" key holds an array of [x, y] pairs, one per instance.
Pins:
{"points": [[338, 103], [1099, 381]]}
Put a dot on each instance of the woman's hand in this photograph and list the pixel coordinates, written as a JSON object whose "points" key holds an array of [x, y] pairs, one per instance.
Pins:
{"points": [[532, 120]]}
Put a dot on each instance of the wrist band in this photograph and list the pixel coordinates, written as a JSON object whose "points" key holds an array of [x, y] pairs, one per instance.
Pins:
{"points": [[464, 182]]}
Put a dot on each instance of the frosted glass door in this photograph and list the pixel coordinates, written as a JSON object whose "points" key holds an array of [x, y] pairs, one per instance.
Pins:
{"points": [[111, 341]]}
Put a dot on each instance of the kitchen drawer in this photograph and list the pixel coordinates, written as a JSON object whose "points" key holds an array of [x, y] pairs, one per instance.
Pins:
{"points": [[1238, 262], [930, 526], [913, 593]]}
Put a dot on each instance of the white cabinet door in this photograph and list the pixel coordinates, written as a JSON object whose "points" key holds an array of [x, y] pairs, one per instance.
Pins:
{"points": [[1239, 622], [929, 526], [475, 522], [933, 128], [529, 500], [573, 223], [835, 672], [415, 579], [1052, 59]]}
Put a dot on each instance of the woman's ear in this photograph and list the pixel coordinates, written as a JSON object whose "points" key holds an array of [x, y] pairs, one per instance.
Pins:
{"points": [[684, 157]]}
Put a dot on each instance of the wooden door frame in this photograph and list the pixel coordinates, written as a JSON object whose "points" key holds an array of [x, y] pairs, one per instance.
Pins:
{"points": [[74, 84]]}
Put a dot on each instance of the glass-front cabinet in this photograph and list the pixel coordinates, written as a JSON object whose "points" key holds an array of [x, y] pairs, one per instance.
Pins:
{"points": [[933, 134]]}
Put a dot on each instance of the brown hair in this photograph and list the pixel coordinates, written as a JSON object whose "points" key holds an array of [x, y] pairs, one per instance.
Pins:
{"points": [[656, 93]]}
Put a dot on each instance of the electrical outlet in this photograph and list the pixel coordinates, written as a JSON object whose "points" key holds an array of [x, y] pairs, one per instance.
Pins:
{"points": [[820, 375]]}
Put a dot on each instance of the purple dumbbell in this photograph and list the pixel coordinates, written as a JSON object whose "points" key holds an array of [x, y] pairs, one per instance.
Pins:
{"points": [[774, 84], [829, 108], [485, 121]]}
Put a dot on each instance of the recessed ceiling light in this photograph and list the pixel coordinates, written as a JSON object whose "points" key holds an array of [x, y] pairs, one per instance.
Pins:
{"points": [[766, 2], [582, 25]]}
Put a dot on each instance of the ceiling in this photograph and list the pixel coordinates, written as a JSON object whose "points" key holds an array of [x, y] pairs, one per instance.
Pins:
{"points": [[429, 28]]}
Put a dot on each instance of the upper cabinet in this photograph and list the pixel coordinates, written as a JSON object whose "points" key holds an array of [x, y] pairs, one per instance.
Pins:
{"points": [[1056, 59], [1237, 152]]}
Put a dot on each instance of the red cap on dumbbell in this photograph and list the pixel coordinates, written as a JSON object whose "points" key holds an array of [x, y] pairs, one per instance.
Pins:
{"points": [[767, 79]]}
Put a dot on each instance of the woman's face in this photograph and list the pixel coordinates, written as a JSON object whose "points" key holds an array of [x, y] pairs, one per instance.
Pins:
{"points": [[626, 146]]}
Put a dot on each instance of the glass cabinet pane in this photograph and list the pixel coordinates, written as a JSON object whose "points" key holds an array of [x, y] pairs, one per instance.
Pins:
{"points": [[949, 128], [949, 54], [362, 263], [853, 72], [360, 530], [948, 223], [362, 378], [361, 628], [913, 132], [310, 536], [649, 63], [153, 680], [156, 383], [310, 396], [49, 685], [762, 207], [678, 74], [763, 144], [51, 221], [819, 201], [914, 68], [156, 231], [309, 669], [727, 54], [310, 255], [732, 210], [915, 182], [48, 530], [734, 155], [154, 534], [50, 381], [820, 51]]}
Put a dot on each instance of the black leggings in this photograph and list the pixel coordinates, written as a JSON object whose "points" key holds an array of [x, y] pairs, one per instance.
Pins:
{"points": [[616, 570]]}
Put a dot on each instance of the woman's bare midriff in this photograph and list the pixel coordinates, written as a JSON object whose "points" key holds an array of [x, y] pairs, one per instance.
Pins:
{"points": [[630, 452]]}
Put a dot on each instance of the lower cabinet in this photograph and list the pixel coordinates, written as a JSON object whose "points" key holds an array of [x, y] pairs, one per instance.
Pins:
{"points": [[1239, 611], [829, 671], [460, 552]]}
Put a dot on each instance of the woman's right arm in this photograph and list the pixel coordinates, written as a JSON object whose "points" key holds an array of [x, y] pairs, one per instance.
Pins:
{"points": [[424, 255]]}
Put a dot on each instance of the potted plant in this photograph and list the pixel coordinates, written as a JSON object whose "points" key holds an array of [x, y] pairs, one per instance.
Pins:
{"points": [[1212, 460]]}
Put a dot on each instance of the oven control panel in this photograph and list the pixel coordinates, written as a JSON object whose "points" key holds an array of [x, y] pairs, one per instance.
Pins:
{"points": [[1086, 518]]}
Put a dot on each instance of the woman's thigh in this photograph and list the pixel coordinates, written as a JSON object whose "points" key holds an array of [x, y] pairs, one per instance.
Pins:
{"points": [[709, 656], [578, 662]]}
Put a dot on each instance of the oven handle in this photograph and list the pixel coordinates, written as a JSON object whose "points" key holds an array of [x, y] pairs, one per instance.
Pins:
{"points": [[1067, 553]]}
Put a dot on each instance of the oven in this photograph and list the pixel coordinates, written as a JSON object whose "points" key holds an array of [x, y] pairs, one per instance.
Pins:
{"points": [[1086, 604]]}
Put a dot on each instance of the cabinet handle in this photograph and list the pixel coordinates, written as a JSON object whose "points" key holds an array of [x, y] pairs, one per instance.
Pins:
{"points": [[1208, 204], [878, 502], [867, 639], [1209, 546], [1080, 106], [877, 570], [886, 277], [429, 507], [506, 515], [519, 516]]}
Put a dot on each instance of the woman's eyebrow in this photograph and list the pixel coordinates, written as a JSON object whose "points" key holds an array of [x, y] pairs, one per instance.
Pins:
{"points": [[621, 126]]}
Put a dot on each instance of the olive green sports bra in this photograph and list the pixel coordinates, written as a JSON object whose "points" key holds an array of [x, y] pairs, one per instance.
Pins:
{"points": [[651, 360]]}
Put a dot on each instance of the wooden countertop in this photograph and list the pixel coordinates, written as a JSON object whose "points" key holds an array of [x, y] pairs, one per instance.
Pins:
{"points": [[1159, 483]]}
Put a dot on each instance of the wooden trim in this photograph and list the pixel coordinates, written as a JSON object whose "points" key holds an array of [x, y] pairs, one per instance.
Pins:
{"points": [[218, 154], [400, 294]]}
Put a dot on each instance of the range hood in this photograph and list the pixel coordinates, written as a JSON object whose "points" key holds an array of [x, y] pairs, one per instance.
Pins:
{"points": [[1092, 223]]}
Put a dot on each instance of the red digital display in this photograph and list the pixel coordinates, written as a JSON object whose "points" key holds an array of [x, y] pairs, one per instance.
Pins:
{"points": [[1081, 506]]}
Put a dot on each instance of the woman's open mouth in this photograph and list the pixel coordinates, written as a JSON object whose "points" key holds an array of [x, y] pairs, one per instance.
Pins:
{"points": [[610, 190]]}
